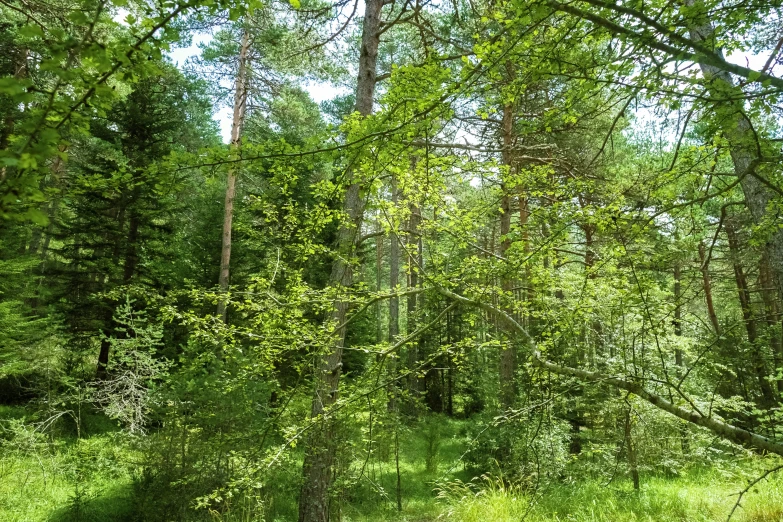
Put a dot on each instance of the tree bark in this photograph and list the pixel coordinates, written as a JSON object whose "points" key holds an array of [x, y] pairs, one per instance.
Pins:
{"points": [[707, 284], [742, 139], [507, 353], [321, 446], [394, 273], [768, 397], [414, 262], [679, 361], [237, 123], [631, 447], [378, 283], [771, 314], [394, 301]]}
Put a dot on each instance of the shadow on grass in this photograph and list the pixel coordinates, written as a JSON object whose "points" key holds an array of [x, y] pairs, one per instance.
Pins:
{"points": [[430, 452], [114, 505]]}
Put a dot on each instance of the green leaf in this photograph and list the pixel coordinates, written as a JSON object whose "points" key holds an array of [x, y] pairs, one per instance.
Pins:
{"points": [[31, 31], [37, 217]]}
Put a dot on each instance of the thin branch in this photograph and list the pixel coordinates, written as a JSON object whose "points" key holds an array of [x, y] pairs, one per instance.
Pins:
{"points": [[750, 485]]}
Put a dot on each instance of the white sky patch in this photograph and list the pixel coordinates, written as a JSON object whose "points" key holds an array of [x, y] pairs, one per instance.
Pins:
{"points": [[224, 116], [323, 91], [121, 15], [751, 61], [181, 54]]}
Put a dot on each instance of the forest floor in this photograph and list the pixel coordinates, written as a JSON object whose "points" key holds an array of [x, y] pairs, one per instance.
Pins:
{"points": [[92, 479]]}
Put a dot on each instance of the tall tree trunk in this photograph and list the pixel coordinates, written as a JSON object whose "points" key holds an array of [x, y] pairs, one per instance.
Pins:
{"points": [[678, 356], [771, 314], [394, 272], [321, 446], [743, 292], [119, 213], [237, 123], [738, 131], [450, 366], [678, 312], [596, 346], [507, 354], [631, 447], [414, 262], [394, 301], [707, 285], [524, 217], [378, 282], [102, 370]]}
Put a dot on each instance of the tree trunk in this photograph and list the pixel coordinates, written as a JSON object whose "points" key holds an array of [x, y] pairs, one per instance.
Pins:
{"points": [[590, 259], [524, 217], [414, 262], [743, 292], [706, 282], [394, 301], [678, 312], [744, 149], [378, 283], [321, 446], [102, 370], [450, 366], [679, 362], [631, 450], [771, 314], [507, 353], [237, 122], [394, 273]]}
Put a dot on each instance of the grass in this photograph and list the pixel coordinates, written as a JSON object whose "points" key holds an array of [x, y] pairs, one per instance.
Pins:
{"points": [[702, 495], [61, 479], [89, 480], [33, 490]]}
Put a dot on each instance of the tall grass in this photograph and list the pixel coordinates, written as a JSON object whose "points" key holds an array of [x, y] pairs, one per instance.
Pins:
{"points": [[702, 495]]}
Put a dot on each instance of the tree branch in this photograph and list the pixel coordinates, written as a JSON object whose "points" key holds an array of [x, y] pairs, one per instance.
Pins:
{"points": [[702, 54], [719, 428]]}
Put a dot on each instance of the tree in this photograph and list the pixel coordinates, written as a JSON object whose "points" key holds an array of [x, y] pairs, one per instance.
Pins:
{"points": [[314, 498]]}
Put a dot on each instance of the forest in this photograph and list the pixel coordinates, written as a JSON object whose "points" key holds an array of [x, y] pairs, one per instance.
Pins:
{"points": [[391, 260]]}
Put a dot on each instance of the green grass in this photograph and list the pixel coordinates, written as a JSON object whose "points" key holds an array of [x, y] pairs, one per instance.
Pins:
{"points": [[35, 490], [89, 480], [703, 495], [62, 478]]}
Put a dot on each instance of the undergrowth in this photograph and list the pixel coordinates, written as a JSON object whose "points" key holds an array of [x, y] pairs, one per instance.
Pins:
{"points": [[59, 477]]}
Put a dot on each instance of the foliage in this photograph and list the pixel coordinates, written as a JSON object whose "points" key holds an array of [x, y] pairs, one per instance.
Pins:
{"points": [[535, 254]]}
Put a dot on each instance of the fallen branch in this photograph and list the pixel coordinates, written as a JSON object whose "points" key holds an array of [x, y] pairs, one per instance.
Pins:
{"points": [[722, 429]]}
